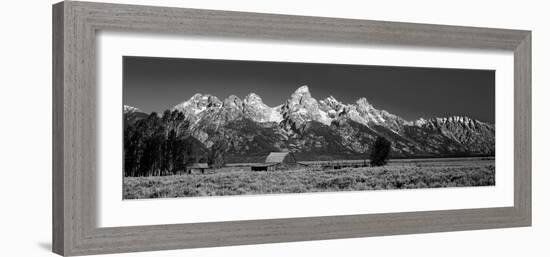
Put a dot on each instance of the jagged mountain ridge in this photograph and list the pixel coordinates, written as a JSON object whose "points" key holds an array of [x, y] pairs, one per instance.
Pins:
{"points": [[326, 129]]}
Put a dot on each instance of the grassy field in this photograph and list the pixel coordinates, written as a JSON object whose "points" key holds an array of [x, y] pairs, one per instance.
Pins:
{"points": [[398, 174]]}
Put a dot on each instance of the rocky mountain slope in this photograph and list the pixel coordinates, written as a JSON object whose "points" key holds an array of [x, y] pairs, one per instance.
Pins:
{"points": [[324, 130]]}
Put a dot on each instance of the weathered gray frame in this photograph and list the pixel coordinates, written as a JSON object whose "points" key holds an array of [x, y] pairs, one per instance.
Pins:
{"points": [[74, 130]]}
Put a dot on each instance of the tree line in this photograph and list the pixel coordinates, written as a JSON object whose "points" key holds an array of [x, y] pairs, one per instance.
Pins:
{"points": [[161, 145]]}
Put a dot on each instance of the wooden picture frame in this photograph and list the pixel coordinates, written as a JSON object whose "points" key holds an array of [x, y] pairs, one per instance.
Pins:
{"points": [[74, 130]]}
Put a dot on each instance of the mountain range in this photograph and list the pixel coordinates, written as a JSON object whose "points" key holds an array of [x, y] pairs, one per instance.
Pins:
{"points": [[324, 129]]}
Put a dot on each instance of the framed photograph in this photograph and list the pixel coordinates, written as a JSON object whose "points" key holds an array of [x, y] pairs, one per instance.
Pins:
{"points": [[182, 128]]}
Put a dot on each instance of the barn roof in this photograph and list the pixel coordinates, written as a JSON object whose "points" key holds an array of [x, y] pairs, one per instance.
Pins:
{"points": [[278, 157], [199, 166]]}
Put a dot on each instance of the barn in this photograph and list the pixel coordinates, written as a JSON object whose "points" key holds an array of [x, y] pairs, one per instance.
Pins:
{"points": [[197, 167], [276, 161]]}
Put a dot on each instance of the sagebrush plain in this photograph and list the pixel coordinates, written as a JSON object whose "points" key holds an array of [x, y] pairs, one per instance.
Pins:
{"points": [[398, 174]]}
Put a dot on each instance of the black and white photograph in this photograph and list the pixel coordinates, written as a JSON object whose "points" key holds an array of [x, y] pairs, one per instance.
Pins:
{"points": [[208, 127], [247, 128]]}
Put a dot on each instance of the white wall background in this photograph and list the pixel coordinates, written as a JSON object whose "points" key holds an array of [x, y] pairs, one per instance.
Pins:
{"points": [[25, 129]]}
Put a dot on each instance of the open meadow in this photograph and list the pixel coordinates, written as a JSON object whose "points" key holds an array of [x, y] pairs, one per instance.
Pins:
{"points": [[398, 174]]}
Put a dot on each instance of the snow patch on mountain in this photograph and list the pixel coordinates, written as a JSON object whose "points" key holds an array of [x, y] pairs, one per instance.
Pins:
{"points": [[130, 109], [198, 103], [257, 111], [302, 108]]}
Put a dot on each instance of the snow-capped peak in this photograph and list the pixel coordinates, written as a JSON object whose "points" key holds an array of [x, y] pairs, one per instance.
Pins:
{"points": [[302, 90], [302, 97], [331, 99], [420, 122], [233, 101], [256, 110], [253, 99], [301, 107], [198, 103], [363, 102], [331, 103], [452, 119], [452, 122], [332, 107], [130, 109]]}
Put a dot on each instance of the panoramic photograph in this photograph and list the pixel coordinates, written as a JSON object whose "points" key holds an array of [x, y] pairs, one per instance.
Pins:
{"points": [[208, 127]]}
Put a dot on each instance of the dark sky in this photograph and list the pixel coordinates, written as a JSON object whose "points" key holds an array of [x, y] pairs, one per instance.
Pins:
{"points": [[157, 84]]}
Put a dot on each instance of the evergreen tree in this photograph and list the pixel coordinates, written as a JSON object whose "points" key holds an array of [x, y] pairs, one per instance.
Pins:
{"points": [[216, 152], [380, 151], [158, 146]]}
